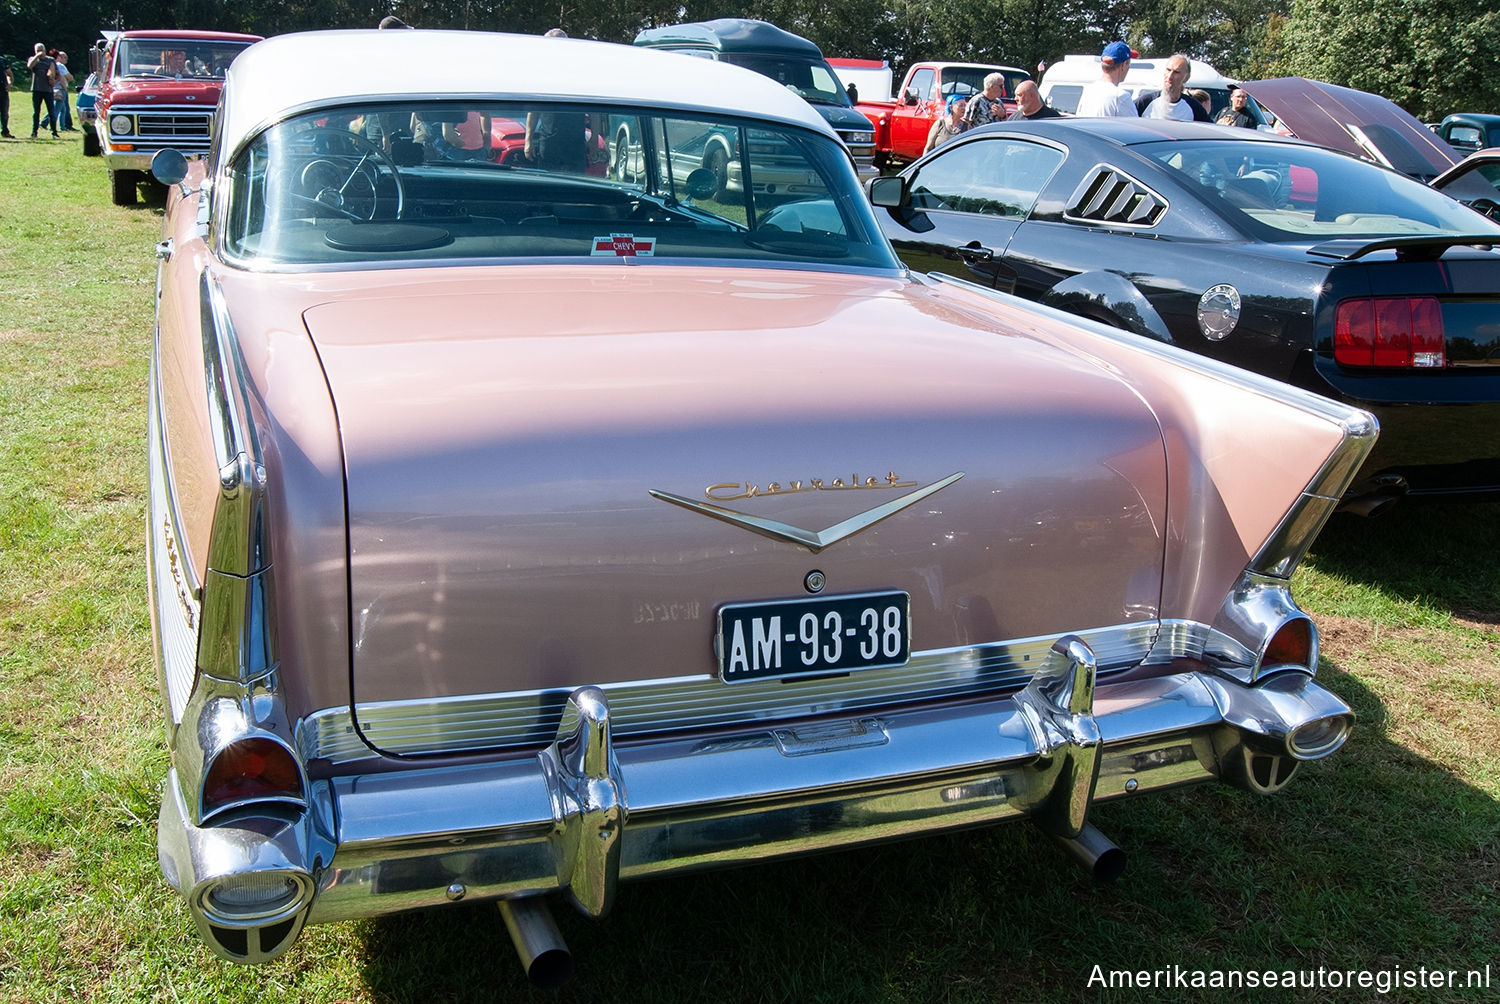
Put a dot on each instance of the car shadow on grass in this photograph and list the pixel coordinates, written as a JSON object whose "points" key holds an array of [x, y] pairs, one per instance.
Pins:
{"points": [[1376, 859], [1440, 555]]}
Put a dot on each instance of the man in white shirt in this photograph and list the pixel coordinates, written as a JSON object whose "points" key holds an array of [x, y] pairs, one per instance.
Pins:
{"points": [[1171, 102], [1105, 97]]}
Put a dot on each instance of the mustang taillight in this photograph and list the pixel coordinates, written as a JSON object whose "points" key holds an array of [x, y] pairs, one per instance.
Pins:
{"points": [[252, 768], [1404, 332]]}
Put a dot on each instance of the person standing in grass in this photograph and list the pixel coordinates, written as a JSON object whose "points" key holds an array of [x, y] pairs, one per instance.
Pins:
{"points": [[62, 112], [6, 79], [43, 73]]}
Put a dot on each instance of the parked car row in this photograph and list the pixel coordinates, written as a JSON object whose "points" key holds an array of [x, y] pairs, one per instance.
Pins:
{"points": [[517, 529]]}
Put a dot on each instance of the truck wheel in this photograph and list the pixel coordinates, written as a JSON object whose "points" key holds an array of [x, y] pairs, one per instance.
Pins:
{"points": [[122, 185], [717, 161], [90, 142], [624, 163]]}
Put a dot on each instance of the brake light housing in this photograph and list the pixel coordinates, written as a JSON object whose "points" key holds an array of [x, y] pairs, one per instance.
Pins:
{"points": [[251, 769], [1390, 332]]}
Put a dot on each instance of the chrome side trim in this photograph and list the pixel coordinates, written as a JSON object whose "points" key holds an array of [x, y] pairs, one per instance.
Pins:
{"points": [[238, 638], [532, 718], [239, 544], [1284, 550], [173, 585]]}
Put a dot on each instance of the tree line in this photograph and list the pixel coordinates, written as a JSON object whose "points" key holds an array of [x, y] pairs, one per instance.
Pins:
{"points": [[1431, 57]]}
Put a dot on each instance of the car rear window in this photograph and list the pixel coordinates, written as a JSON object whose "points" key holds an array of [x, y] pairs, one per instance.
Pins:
{"points": [[494, 179], [1287, 192]]}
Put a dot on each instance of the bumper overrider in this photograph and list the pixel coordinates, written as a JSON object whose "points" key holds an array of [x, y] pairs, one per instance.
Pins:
{"points": [[588, 812]]}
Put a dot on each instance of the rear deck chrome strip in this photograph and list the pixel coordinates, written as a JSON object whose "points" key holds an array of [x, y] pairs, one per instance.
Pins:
{"points": [[485, 722]]}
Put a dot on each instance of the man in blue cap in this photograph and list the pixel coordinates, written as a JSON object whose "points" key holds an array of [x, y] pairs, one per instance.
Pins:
{"points": [[1105, 97]]}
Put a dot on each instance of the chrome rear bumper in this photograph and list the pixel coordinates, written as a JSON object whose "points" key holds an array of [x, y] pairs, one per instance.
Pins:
{"points": [[587, 812]]}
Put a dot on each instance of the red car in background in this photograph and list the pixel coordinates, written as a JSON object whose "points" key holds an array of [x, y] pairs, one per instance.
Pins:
{"points": [[157, 89]]}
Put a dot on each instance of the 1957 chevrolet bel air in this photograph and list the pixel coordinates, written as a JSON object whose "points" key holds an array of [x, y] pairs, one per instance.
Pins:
{"points": [[522, 528]]}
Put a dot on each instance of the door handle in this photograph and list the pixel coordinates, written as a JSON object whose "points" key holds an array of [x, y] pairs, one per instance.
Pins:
{"points": [[973, 253]]}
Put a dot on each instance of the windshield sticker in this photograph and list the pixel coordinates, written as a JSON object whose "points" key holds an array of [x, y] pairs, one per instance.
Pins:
{"points": [[624, 246]]}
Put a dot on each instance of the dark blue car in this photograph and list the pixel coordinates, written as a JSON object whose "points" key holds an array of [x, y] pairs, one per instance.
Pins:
{"points": [[1293, 260]]}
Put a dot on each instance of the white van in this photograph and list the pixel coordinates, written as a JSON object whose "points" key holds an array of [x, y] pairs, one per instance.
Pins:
{"points": [[1063, 83]]}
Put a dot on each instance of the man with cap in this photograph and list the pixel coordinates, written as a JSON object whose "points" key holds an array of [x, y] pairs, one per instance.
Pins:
{"points": [[1105, 97]]}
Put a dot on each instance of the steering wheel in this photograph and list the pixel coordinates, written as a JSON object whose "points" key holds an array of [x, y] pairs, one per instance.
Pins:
{"points": [[1486, 207], [334, 194]]}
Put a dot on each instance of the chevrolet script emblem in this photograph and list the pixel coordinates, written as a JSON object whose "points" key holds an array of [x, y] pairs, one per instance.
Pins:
{"points": [[813, 540]]}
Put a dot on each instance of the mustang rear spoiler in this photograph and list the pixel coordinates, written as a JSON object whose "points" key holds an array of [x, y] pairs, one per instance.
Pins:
{"points": [[1425, 247]]}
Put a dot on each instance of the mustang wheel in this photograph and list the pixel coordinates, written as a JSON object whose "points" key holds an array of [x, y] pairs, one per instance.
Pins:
{"points": [[90, 142]]}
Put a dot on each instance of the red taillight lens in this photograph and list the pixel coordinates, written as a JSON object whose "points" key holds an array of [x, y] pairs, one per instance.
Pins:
{"points": [[1354, 333], [1402, 332], [248, 769], [1392, 332], [1291, 645], [1427, 333]]}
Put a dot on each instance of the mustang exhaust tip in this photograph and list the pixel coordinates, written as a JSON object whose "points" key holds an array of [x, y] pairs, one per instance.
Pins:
{"points": [[1104, 861], [539, 944]]}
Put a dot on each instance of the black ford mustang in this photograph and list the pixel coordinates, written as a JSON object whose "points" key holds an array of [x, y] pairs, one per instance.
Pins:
{"points": [[1285, 258]]}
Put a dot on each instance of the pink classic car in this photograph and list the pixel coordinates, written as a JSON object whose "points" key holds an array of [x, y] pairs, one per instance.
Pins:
{"points": [[517, 532]]}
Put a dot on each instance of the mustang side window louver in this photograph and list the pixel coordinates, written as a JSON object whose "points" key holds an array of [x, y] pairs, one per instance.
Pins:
{"points": [[1107, 196]]}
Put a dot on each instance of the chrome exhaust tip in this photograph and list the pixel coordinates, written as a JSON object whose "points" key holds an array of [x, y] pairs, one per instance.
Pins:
{"points": [[1274, 727], [538, 943], [1097, 853], [1287, 715]]}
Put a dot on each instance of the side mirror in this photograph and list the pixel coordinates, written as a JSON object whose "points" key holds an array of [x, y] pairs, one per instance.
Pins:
{"points": [[890, 192], [169, 166], [910, 97]]}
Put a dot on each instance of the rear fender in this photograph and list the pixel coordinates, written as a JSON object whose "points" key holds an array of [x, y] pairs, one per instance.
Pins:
{"points": [[1106, 296]]}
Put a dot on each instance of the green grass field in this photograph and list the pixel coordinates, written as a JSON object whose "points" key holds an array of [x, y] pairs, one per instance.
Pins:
{"points": [[1385, 858]]}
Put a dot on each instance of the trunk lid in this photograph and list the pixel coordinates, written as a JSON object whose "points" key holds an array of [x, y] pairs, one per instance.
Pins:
{"points": [[511, 448]]}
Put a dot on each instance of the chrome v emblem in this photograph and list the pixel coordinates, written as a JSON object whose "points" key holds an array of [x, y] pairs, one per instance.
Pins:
{"points": [[814, 541]]}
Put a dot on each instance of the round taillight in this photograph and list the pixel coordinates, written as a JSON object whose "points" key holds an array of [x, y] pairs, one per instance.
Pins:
{"points": [[1291, 645], [250, 769]]}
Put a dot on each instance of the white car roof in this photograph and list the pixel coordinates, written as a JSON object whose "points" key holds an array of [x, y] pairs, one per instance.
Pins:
{"points": [[287, 74]]}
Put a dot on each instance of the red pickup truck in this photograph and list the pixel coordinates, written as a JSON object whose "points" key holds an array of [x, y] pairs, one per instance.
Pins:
{"points": [[157, 89], [901, 126]]}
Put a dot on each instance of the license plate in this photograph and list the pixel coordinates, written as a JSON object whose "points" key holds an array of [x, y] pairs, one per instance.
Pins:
{"points": [[833, 634]]}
